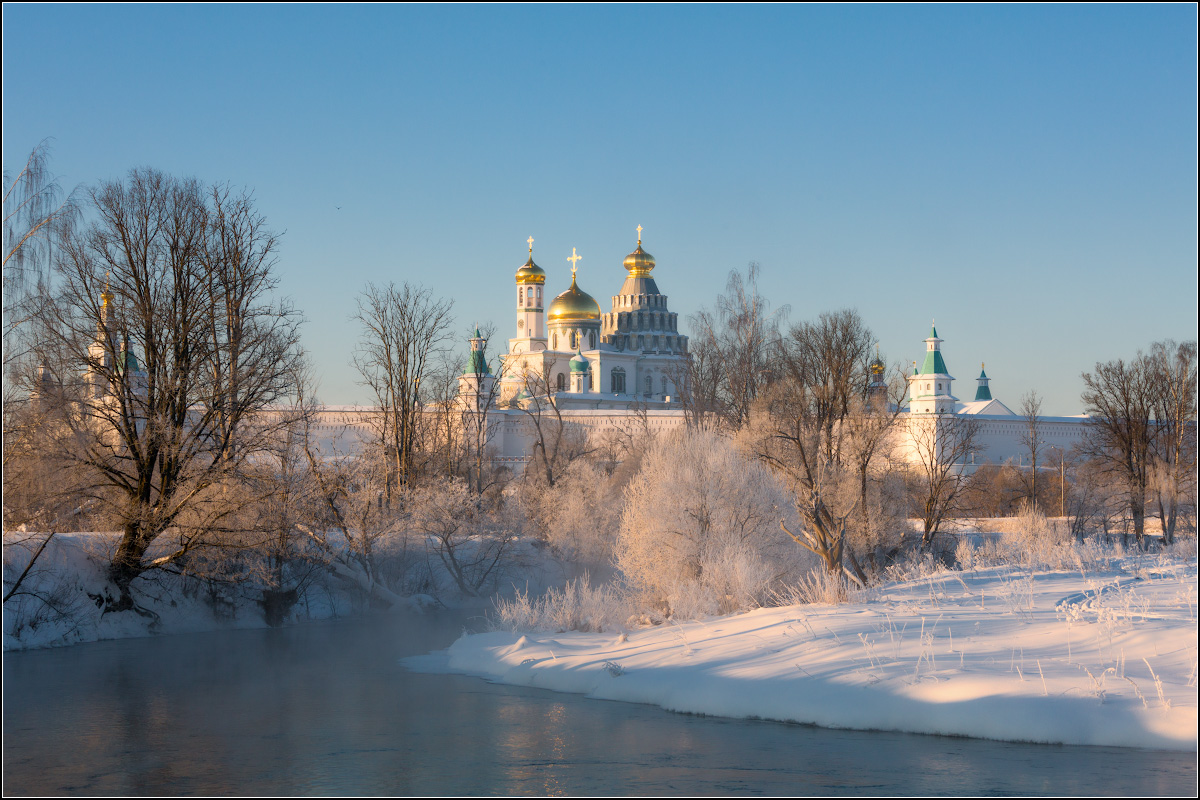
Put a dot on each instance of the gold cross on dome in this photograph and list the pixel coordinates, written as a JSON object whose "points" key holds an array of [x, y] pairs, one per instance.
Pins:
{"points": [[530, 240], [574, 258], [639, 234]]}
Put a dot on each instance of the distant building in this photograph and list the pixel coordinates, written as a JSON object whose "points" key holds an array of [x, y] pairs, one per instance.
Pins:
{"points": [[999, 439]]}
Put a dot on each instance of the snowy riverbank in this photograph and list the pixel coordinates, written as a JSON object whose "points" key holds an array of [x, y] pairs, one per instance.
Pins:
{"points": [[1000, 653]]}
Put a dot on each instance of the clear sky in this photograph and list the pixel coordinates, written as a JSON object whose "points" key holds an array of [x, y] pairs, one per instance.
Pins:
{"points": [[1024, 173]]}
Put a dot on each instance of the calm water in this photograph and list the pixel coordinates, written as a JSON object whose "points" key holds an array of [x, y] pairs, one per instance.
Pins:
{"points": [[327, 709]]}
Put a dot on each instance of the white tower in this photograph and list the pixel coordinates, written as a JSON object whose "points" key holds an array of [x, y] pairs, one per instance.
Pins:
{"points": [[929, 389], [531, 319]]}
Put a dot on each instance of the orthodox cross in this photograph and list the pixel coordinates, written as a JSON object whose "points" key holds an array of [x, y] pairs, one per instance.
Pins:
{"points": [[639, 234], [530, 240], [574, 258]]}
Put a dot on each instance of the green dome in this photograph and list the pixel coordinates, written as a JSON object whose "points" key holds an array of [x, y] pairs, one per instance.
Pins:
{"points": [[579, 363]]}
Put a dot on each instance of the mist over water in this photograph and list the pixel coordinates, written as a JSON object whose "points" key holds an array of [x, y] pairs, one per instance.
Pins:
{"points": [[327, 709]]}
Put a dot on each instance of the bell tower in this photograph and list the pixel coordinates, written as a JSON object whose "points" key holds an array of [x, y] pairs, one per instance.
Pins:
{"points": [[531, 317]]}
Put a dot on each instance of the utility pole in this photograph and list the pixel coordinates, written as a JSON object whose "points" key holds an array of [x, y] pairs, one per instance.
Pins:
{"points": [[1062, 484]]}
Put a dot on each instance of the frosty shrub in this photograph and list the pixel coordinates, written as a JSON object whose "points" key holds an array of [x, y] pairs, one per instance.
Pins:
{"points": [[820, 586], [578, 606], [1184, 548], [579, 515], [1037, 542], [699, 531]]}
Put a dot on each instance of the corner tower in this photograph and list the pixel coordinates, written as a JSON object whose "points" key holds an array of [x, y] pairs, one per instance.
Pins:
{"points": [[929, 389]]}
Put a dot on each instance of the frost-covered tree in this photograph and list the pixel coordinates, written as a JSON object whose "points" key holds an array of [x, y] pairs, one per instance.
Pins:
{"points": [[700, 528]]}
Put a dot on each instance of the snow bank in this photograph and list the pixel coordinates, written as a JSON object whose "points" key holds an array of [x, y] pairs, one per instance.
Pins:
{"points": [[56, 604], [1101, 659]]}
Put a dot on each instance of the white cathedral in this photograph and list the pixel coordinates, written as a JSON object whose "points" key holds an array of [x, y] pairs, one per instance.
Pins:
{"points": [[600, 371]]}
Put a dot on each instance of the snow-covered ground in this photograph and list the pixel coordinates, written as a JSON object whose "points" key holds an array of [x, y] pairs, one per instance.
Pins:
{"points": [[1092, 658]]}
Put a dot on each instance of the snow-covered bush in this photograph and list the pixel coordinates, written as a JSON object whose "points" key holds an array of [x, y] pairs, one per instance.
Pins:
{"points": [[579, 515], [578, 606], [820, 587], [700, 531]]}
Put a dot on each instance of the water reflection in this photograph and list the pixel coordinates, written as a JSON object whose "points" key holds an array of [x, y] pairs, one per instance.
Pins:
{"points": [[326, 709]]}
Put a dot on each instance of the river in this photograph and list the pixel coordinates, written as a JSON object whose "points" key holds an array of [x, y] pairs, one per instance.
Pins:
{"points": [[327, 709]]}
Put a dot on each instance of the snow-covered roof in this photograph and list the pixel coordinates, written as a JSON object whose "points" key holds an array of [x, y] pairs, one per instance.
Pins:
{"points": [[993, 407]]}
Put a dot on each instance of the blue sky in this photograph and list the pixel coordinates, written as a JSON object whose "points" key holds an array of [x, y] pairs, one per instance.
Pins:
{"points": [[1026, 174]]}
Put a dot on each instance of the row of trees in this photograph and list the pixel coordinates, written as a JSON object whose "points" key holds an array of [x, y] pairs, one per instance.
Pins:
{"points": [[206, 440]]}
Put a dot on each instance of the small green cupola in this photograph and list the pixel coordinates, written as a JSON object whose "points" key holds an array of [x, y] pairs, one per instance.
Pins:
{"points": [[983, 392], [579, 372], [579, 363], [934, 364]]}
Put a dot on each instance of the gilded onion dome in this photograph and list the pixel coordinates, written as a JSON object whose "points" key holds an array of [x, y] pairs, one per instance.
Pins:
{"points": [[639, 262], [531, 272], [573, 304], [877, 367]]}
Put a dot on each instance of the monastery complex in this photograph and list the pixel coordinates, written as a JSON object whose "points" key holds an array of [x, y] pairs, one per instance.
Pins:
{"points": [[617, 372]]}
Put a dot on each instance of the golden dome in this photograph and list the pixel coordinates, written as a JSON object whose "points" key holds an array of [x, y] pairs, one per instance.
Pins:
{"points": [[573, 304], [639, 262], [531, 273]]}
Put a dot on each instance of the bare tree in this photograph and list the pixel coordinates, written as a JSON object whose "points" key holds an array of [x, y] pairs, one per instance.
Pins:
{"points": [[1119, 398], [555, 443], [871, 425], [823, 373], [1031, 438], [698, 377], [1172, 370], [473, 539], [731, 351], [352, 521], [164, 438], [403, 329], [942, 445]]}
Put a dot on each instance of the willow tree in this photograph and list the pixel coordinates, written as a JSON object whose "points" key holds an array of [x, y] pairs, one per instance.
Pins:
{"points": [[169, 349]]}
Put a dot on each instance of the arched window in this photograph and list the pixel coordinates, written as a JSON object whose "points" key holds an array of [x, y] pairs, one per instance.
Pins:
{"points": [[618, 380], [591, 340], [649, 385], [554, 342], [572, 340], [561, 382], [664, 384]]}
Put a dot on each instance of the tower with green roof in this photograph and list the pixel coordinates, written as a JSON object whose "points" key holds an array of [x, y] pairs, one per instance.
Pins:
{"points": [[475, 385], [929, 387], [983, 392]]}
